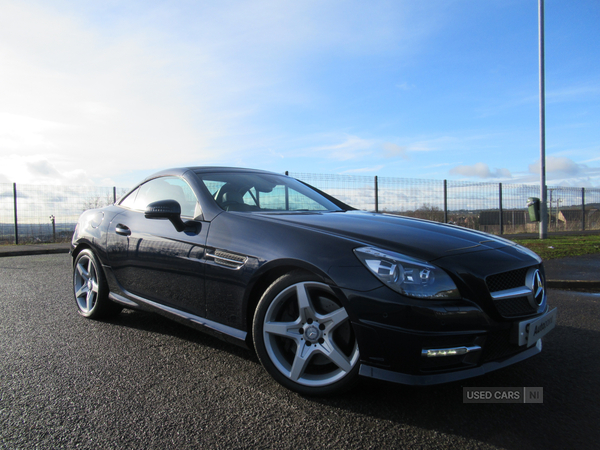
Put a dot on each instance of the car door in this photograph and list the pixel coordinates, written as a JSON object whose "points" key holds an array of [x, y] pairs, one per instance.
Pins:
{"points": [[150, 258]]}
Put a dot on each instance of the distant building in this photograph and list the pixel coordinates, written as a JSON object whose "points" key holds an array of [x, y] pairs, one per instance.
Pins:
{"points": [[513, 221], [517, 220]]}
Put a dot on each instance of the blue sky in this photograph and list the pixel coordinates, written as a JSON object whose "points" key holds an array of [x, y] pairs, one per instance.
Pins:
{"points": [[109, 92]]}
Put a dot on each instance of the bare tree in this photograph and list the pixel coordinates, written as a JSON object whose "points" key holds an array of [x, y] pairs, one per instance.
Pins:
{"points": [[98, 202]]}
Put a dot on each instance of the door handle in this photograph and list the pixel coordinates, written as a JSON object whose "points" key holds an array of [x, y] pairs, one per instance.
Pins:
{"points": [[122, 230]]}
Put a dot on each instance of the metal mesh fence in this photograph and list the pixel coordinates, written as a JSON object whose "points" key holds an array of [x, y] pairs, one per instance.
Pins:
{"points": [[412, 197], [474, 205], [491, 207], [48, 213], [356, 191], [7, 218], [515, 216], [564, 209], [592, 206]]}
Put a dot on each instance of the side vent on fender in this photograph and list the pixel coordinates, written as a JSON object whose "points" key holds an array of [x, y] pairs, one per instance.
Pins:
{"points": [[227, 259]]}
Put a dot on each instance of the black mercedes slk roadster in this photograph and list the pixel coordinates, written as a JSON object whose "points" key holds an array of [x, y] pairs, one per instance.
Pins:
{"points": [[322, 292]]}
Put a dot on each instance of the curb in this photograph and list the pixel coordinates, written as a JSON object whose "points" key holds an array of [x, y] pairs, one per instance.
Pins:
{"points": [[46, 251], [575, 285]]}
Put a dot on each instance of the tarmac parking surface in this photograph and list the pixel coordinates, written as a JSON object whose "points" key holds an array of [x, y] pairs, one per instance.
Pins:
{"points": [[142, 381]]}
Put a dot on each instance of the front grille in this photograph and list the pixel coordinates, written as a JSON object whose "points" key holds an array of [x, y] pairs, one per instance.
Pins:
{"points": [[506, 280], [513, 307], [506, 305]]}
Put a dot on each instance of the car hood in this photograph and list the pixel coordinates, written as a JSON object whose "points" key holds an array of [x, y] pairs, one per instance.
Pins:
{"points": [[418, 238]]}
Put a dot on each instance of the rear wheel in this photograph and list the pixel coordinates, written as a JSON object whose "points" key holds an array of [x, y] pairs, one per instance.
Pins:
{"points": [[303, 336], [90, 288]]}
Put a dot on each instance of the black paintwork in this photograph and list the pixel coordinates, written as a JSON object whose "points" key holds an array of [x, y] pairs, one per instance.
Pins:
{"points": [[151, 265]]}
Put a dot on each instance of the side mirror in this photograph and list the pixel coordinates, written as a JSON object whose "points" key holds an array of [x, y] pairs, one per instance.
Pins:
{"points": [[166, 209]]}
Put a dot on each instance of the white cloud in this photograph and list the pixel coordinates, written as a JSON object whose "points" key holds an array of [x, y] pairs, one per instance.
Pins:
{"points": [[480, 170], [592, 160], [106, 89], [23, 133], [42, 168], [38, 169], [353, 147], [394, 151], [566, 172], [562, 165], [103, 89], [433, 166], [89, 104]]}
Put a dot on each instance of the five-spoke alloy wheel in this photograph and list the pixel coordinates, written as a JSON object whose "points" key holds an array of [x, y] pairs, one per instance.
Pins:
{"points": [[90, 289], [303, 336]]}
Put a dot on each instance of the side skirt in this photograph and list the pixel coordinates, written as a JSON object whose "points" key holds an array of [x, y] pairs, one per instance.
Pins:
{"points": [[132, 301], [216, 329]]}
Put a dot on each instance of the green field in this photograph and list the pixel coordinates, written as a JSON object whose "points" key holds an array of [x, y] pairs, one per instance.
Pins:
{"points": [[562, 246]]}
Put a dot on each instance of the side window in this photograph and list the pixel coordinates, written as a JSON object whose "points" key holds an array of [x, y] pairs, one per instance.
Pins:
{"points": [[129, 201], [282, 198], [165, 188], [274, 200], [251, 197], [300, 202], [213, 186]]}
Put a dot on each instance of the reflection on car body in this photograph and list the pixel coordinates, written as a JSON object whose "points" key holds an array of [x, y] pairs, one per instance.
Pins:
{"points": [[322, 292]]}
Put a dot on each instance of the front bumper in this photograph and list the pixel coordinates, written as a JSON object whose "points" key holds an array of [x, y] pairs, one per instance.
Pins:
{"points": [[421, 343], [446, 377]]}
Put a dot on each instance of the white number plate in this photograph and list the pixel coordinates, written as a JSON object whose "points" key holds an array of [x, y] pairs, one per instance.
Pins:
{"points": [[541, 327], [529, 331]]}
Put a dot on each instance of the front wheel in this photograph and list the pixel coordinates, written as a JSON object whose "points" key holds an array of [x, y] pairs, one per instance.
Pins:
{"points": [[304, 338], [90, 288]]}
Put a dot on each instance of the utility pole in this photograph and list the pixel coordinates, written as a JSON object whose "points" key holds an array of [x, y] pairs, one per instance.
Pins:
{"points": [[543, 194]]}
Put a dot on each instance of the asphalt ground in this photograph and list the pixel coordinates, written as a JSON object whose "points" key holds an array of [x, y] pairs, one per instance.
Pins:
{"points": [[141, 381]]}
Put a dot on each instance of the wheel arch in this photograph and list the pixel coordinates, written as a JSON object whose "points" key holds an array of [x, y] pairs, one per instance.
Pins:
{"points": [[100, 306], [78, 249], [86, 245]]}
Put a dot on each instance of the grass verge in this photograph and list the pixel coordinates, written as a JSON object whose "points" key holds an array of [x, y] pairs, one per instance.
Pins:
{"points": [[562, 246]]}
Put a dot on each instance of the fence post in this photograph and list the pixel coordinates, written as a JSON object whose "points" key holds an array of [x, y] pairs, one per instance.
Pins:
{"points": [[445, 201], [53, 220], [500, 204], [582, 209], [376, 194], [16, 221]]}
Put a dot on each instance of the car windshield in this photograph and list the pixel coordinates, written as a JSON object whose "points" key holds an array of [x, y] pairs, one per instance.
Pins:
{"points": [[248, 191]]}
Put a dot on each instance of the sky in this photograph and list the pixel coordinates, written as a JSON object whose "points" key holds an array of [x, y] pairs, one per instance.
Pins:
{"points": [[107, 93]]}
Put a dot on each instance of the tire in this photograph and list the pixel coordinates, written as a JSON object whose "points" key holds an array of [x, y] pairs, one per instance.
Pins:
{"points": [[304, 338], [90, 288]]}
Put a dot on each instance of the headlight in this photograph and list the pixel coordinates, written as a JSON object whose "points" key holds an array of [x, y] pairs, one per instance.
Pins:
{"points": [[406, 275]]}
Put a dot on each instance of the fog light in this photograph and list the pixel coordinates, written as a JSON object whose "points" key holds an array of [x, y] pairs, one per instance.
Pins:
{"points": [[454, 351]]}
